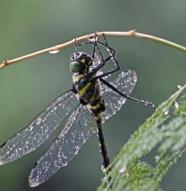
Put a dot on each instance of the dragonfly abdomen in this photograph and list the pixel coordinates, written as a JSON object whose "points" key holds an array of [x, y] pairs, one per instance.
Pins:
{"points": [[88, 93], [97, 108]]}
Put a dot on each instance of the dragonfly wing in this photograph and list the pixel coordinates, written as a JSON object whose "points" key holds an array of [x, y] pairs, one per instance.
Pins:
{"points": [[80, 126], [125, 83], [38, 131]]}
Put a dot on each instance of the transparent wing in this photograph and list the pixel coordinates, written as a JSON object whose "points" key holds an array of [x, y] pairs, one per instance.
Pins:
{"points": [[96, 60], [38, 131], [80, 126], [125, 83]]}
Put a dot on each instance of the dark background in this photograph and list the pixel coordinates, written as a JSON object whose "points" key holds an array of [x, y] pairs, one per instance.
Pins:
{"points": [[26, 88]]}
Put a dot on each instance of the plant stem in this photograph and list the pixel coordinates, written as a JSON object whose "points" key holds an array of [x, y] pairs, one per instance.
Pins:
{"points": [[131, 33]]}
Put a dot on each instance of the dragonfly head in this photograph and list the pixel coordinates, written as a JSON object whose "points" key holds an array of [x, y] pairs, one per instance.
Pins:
{"points": [[80, 62]]}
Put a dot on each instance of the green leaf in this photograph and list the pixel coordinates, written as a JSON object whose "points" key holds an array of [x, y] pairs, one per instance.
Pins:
{"points": [[164, 133]]}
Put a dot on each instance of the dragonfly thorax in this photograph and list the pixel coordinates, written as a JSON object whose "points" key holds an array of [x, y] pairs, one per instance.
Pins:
{"points": [[87, 89], [85, 84]]}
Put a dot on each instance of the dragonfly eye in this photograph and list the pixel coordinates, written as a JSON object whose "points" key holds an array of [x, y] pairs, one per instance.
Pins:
{"points": [[77, 67]]}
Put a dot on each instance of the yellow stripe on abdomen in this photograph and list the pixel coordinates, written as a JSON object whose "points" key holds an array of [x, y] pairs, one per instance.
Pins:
{"points": [[84, 89], [93, 107]]}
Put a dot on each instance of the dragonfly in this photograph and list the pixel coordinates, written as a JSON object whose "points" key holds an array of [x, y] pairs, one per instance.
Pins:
{"points": [[94, 98]]}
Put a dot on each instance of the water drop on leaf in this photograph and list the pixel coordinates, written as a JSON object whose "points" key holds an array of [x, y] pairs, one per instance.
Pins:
{"points": [[176, 104], [166, 112], [179, 86]]}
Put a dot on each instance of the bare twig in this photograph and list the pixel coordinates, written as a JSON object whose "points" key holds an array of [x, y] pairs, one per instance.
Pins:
{"points": [[131, 33]]}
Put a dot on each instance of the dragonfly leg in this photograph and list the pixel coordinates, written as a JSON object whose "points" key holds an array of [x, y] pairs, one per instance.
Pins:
{"points": [[112, 53], [126, 96], [109, 49], [94, 45]]}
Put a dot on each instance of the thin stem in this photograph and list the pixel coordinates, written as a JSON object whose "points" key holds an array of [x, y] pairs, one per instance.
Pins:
{"points": [[131, 33]]}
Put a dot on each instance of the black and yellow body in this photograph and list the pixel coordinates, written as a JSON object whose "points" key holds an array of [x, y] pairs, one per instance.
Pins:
{"points": [[88, 93], [87, 88]]}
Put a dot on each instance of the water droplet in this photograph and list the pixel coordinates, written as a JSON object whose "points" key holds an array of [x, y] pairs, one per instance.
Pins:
{"points": [[166, 112], [38, 121], [179, 86], [31, 128], [65, 164], [65, 157], [122, 170], [76, 152], [106, 178], [157, 157], [77, 147], [146, 103], [176, 104], [53, 51]]}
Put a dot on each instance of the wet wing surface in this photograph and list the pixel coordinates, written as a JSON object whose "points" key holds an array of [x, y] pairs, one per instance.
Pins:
{"points": [[80, 126], [38, 131], [125, 83]]}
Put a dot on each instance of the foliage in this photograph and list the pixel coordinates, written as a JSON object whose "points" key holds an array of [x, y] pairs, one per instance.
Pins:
{"points": [[163, 135]]}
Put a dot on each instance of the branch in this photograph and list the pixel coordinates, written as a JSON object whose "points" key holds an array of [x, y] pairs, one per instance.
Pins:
{"points": [[131, 33]]}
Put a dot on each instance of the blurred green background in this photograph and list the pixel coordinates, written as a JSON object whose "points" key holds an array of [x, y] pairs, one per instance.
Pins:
{"points": [[26, 88]]}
